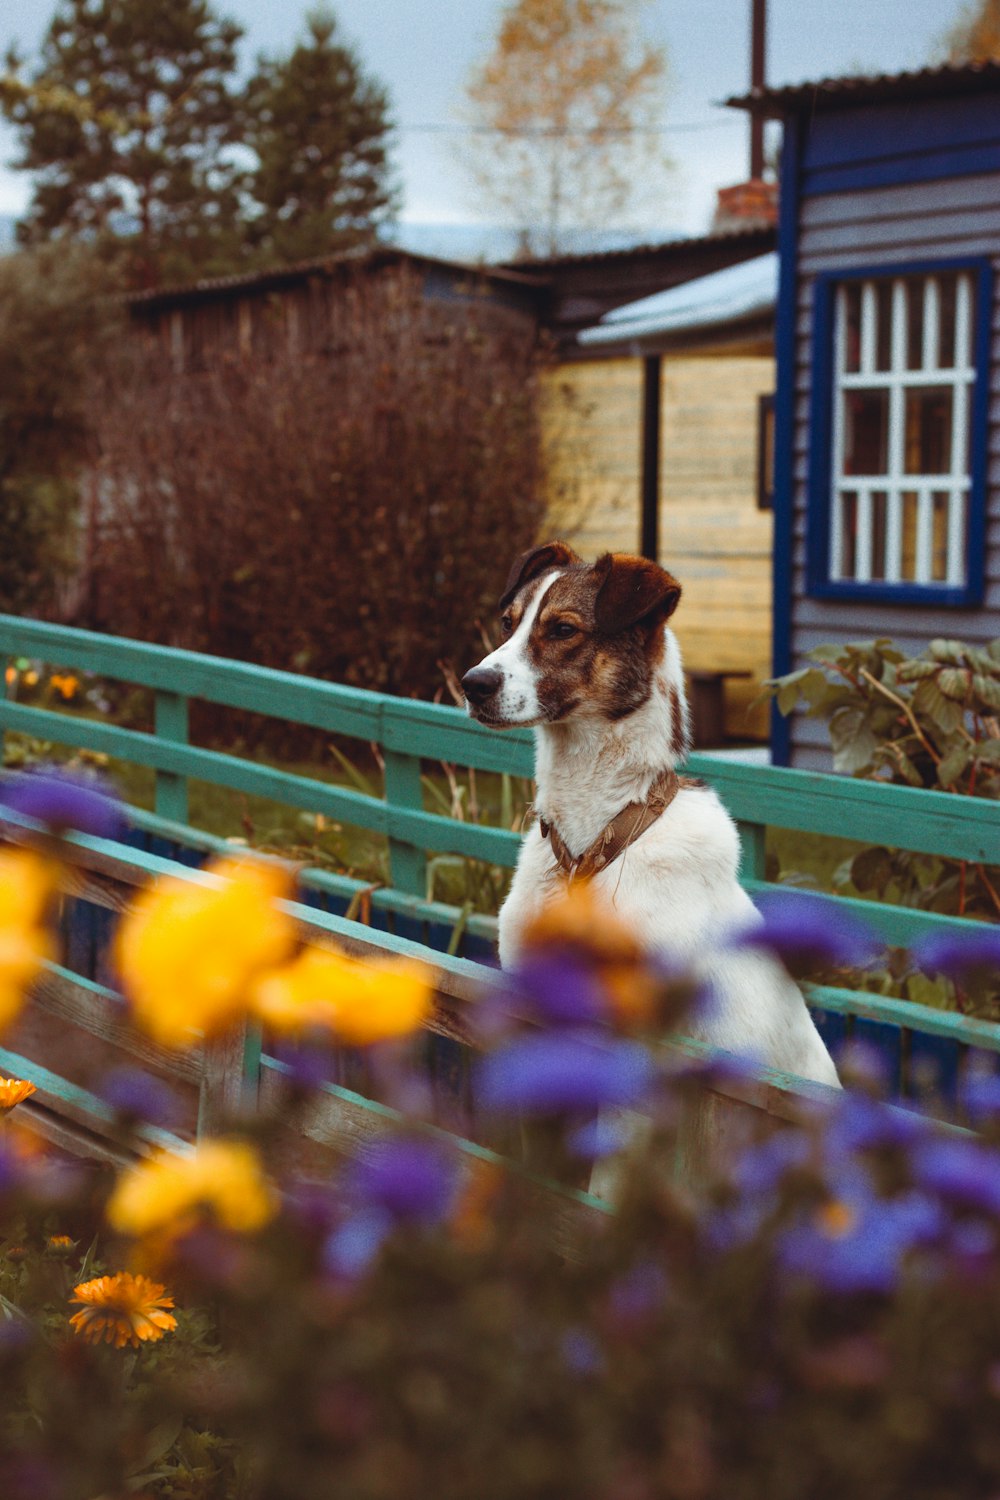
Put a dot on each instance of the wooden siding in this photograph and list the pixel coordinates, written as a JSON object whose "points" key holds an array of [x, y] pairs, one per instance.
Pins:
{"points": [[888, 226], [712, 536]]}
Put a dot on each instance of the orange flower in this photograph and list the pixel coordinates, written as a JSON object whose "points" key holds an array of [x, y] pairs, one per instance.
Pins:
{"points": [[122, 1309], [13, 1091], [357, 1001]]}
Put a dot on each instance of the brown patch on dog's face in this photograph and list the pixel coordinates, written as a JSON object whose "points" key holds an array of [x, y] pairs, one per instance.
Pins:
{"points": [[585, 659], [576, 640]]}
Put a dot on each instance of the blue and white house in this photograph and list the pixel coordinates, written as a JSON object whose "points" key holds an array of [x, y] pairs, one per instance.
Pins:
{"points": [[887, 410]]}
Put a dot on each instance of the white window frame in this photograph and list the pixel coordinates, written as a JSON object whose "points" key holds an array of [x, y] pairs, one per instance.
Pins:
{"points": [[897, 381]]}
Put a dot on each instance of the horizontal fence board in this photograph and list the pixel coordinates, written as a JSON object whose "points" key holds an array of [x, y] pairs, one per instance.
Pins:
{"points": [[907, 1014], [872, 811]]}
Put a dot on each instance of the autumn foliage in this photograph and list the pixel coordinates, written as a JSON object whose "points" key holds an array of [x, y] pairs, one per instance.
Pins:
{"points": [[349, 513]]}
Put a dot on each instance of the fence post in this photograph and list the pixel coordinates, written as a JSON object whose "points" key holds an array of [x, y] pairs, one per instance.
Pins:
{"points": [[230, 1078], [753, 853], [407, 865], [170, 722]]}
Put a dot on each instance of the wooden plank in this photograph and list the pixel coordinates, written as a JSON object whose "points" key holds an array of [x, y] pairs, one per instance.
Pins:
{"points": [[70, 997]]}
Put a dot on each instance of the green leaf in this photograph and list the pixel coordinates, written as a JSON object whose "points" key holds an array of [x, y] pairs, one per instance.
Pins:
{"points": [[988, 689], [912, 671], [954, 683], [953, 764], [871, 870], [929, 699], [952, 652], [987, 750], [852, 739]]}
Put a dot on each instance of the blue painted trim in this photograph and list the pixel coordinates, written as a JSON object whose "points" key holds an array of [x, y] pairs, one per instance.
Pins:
{"points": [[819, 584], [856, 134], [893, 171], [786, 319]]}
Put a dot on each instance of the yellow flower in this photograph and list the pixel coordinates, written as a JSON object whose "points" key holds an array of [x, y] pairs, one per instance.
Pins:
{"points": [[27, 887], [13, 1091], [122, 1309], [65, 684], [187, 953], [169, 1194], [359, 1001]]}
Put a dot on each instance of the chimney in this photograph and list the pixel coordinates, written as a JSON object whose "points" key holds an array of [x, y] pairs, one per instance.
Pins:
{"points": [[752, 204]]}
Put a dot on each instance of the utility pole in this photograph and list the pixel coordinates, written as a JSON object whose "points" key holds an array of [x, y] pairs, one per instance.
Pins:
{"points": [[758, 73]]}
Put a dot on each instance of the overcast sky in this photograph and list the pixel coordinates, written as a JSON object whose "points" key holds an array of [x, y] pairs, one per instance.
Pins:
{"points": [[422, 53]]}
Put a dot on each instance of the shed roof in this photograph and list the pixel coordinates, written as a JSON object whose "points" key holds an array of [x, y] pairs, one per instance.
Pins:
{"points": [[735, 295], [870, 88]]}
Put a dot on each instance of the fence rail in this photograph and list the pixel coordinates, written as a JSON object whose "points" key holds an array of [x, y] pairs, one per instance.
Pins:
{"points": [[408, 735]]}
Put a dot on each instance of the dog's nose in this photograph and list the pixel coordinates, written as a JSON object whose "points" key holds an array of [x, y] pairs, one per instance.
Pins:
{"points": [[481, 683]]}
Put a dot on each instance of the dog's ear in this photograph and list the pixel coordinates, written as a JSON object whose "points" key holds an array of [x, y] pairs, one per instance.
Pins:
{"points": [[530, 564], [632, 591]]}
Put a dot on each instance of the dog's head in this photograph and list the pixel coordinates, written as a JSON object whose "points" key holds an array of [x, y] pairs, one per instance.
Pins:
{"points": [[579, 639]]}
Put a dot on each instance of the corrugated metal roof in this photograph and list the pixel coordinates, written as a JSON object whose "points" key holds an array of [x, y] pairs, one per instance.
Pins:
{"points": [[739, 292], [762, 232], [870, 88], [328, 265]]}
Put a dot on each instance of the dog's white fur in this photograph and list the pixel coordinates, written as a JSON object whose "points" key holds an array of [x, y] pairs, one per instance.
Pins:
{"points": [[677, 884]]}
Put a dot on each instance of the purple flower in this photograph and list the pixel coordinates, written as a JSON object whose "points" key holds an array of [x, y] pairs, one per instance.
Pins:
{"points": [[638, 1294], [559, 988], [979, 1095], [962, 1171], [354, 1245], [808, 933], [136, 1095], [858, 1243], [961, 956], [65, 801], [581, 1352], [408, 1180], [860, 1123], [567, 1071]]}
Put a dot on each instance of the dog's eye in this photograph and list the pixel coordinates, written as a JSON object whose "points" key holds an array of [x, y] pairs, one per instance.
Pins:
{"points": [[506, 624], [562, 630]]}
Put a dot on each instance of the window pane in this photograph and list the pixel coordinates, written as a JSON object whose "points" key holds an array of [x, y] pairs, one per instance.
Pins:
{"points": [[866, 432], [879, 509], [946, 322], [848, 535], [908, 566], [852, 326], [914, 324], [939, 537], [928, 430], [883, 325]]}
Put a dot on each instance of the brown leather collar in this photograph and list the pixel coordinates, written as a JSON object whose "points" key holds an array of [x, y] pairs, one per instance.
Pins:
{"points": [[625, 827]]}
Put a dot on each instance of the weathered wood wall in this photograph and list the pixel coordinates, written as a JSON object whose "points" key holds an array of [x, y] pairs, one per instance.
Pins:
{"points": [[712, 535]]}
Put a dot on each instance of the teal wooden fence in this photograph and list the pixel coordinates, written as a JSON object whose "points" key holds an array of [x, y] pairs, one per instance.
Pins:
{"points": [[411, 734]]}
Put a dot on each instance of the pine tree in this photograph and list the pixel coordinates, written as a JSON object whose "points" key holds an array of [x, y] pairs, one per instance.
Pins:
{"points": [[125, 126], [320, 130]]}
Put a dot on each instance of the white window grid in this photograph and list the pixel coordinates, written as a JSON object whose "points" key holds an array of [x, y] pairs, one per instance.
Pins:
{"points": [[894, 483]]}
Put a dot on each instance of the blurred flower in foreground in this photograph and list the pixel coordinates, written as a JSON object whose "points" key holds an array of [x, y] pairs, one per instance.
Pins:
{"points": [[122, 1309], [139, 1097], [807, 934], [583, 964], [14, 1091], [189, 952], [396, 1182], [27, 889], [963, 957], [551, 1073], [167, 1194], [856, 1242], [64, 801], [359, 1002]]}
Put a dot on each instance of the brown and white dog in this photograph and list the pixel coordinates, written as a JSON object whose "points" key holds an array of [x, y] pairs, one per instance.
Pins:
{"points": [[587, 659]]}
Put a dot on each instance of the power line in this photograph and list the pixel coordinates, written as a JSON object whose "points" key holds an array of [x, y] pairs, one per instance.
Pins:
{"points": [[550, 132]]}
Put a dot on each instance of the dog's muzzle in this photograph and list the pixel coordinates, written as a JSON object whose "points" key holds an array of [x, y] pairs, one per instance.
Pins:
{"points": [[481, 684]]}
